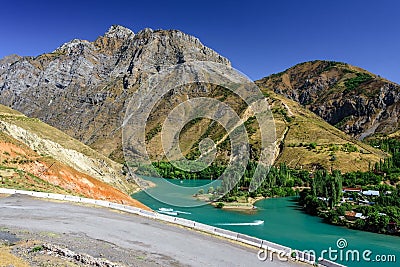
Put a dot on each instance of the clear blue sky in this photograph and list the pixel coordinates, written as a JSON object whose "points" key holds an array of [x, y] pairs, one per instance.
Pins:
{"points": [[259, 37]]}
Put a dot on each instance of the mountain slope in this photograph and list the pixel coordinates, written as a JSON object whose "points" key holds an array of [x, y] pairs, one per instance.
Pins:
{"points": [[308, 142], [32, 159], [354, 100]]}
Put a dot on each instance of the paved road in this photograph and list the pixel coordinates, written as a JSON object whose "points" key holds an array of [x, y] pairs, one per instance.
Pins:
{"points": [[127, 231]]}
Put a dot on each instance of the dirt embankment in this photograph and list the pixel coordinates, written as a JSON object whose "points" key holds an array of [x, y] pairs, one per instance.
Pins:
{"points": [[23, 168]]}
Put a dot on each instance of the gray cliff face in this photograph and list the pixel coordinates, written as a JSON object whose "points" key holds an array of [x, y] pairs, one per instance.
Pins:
{"points": [[362, 115], [81, 87]]}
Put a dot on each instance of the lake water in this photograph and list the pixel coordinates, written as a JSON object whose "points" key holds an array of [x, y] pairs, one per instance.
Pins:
{"points": [[284, 223]]}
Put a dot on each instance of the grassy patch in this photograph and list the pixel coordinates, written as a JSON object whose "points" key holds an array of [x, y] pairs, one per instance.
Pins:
{"points": [[153, 132], [342, 122], [352, 83]]}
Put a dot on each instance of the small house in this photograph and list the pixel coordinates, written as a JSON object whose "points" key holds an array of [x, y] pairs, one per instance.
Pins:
{"points": [[351, 189], [373, 193], [352, 215]]}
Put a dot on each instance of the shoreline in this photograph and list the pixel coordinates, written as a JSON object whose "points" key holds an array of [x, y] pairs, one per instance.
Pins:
{"points": [[142, 184]]}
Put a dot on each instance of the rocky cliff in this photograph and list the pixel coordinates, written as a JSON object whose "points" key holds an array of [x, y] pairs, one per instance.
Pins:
{"points": [[354, 100]]}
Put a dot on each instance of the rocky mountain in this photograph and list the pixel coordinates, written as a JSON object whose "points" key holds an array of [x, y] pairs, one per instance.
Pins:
{"points": [[36, 156], [352, 99], [83, 87]]}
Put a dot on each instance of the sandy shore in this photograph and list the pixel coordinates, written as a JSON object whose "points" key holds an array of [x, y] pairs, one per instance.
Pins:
{"points": [[236, 205], [249, 205]]}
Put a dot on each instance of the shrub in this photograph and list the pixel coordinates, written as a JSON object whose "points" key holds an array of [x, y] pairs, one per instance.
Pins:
{"points": [[312, 145], [349, 148], [220, 205], [37, 249], [333, 147]]}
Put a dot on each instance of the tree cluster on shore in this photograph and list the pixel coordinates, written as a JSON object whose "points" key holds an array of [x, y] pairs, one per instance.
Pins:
{"points": [[378, 213]]}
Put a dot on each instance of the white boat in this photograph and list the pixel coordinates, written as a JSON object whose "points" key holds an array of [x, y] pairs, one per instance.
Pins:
{"points": [[165, 209], [256, 222], [182, 212], [172, 213]]}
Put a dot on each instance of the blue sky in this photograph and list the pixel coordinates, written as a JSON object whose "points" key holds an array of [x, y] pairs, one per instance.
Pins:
{"points": [[259, 37]]}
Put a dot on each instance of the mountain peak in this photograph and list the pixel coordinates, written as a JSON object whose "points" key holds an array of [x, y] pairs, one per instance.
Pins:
{"points": [[119, 32], [146, 31], [73, 44]]}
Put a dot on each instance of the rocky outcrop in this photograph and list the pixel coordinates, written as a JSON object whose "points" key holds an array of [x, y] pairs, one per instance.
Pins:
{"points": [[82, 87], [354, 100], [78, 257]]}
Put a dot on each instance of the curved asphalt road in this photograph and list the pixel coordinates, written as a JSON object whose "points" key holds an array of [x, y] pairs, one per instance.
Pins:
{"points": [[128, 231]]}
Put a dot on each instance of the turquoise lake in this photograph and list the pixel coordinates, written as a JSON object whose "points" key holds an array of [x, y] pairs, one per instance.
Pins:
{"points": [[284, 223]]}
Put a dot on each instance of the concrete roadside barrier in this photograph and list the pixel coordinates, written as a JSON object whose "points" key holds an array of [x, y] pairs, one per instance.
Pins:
{"points": [[226, 233], [308, 258], [126, 209], [275, 247], [86, 200], [56, 196], [103, 203], [146, 213], [204, 227], [133, 209], [7, 191], [166, 218], [51, 196], [116, 206], [303, 257], [250, 240], [184, 222], [73, 198], [40, 194]]}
